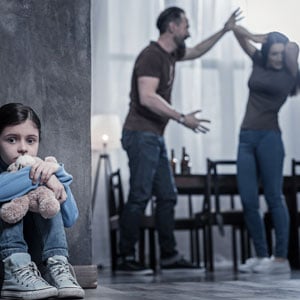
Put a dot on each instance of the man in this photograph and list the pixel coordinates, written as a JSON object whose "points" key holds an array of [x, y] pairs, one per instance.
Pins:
{"points": [[142, 137]]}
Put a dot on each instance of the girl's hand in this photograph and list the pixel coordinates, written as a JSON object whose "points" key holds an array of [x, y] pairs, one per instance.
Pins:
{"points": [[58, 189], [42, 171]]}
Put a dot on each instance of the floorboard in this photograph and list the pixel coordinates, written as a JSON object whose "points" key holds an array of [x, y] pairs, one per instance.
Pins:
{"points": [[190, 285]]}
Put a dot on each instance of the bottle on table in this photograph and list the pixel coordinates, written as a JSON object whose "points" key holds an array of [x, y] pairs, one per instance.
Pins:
{"points": [[185, 163], [173, 161]]}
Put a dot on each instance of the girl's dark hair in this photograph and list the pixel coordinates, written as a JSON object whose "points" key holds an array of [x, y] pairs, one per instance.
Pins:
{"points": [[170, 14], [17, 113]]}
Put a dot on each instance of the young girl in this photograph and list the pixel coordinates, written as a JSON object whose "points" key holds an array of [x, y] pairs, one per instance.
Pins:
{"points": [[45, 239]]}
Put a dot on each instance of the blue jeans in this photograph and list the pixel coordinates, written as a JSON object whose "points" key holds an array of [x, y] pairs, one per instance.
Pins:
{"points": [[42, 238], [260, 157], [150, 174]]}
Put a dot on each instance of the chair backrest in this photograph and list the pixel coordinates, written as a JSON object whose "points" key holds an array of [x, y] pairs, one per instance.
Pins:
{"points": [[295, 164], [295, 178], [221, 183], [115, 195]]}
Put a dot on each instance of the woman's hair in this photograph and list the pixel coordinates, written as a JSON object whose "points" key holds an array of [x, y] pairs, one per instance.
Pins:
{"points": [[277, 37], [170, 14], [273, 38], [17, 113]]}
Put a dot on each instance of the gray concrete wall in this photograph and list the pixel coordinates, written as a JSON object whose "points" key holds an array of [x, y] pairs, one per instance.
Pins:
{"points": [[45, 63]]}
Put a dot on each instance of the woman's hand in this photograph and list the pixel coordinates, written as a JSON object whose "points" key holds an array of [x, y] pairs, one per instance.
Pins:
{"points": [[58, 189], [259, 38], [41, 171]]}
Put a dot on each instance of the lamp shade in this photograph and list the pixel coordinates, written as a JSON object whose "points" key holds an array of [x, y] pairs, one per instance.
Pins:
{"points": [[105, 132]]}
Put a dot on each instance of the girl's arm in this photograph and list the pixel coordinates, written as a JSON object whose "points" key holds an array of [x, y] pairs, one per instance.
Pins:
{"points": [[245, 37], [10, 190], [15, 184], [69, 209], [59, 183]]}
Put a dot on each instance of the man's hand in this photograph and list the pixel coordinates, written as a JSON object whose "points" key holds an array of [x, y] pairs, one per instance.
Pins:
{"points": [[194, 123], [233, 19]]}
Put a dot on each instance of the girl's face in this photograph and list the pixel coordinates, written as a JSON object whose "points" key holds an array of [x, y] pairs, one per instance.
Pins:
{"points": [[18, 140], [275, 56]]}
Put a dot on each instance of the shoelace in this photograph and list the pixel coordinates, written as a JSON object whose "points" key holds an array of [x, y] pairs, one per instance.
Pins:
{"points": [[28, 274], [61, 271]]}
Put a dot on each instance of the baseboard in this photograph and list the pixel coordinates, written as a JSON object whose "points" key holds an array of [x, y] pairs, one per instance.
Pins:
{"points": [[87, 276]]}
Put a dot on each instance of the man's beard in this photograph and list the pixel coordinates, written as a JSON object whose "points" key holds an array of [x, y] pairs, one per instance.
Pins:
{"points": [[181, 49]]}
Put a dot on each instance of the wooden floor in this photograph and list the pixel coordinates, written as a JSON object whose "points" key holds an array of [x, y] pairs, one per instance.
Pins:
{"points": [[190, 285]]}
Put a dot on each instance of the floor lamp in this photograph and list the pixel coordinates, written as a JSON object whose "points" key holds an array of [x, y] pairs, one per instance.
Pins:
{"points": [[105, 136]]}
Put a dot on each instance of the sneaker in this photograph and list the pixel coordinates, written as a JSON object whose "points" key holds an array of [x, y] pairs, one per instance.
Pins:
{"points": [[177, 262], [272, 266], [250, 263], [59, 274], [22, 279], [129, 266]]}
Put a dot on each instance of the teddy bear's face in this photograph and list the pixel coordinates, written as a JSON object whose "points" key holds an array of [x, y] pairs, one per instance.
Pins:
{"points": [[21, 162]]}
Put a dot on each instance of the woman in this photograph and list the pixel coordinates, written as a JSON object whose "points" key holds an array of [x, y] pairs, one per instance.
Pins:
{"points": [[20, 133], [261, 151]]}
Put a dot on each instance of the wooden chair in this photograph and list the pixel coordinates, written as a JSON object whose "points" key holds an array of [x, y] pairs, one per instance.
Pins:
{"points": [[291, 187], [189, 185], [294, 210], [218, 186], [115, 208]]}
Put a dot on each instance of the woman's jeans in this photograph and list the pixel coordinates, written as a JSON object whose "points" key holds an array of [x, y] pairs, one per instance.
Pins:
{"points": [[42, 238], [260, 157], [150, 175]]}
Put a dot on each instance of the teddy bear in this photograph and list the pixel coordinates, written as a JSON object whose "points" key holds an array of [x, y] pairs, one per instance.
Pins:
{"points": [[41, 200]]}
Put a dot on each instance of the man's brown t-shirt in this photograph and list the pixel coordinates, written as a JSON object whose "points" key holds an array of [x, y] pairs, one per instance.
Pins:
{"points": [[153, 61]]}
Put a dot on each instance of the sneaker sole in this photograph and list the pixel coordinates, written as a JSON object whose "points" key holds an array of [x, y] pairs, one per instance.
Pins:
{"points": [[274, 272], [72, 293], [245, 271], [30, 295], [134, 273], [194, 270]]}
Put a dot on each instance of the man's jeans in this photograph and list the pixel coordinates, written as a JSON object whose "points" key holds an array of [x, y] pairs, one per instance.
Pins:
{"points": [[150, 175], [42, 238], [260, 157]]}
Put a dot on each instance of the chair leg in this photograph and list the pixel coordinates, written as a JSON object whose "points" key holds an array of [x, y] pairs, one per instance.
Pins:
{"points": [[234, 248], [197, 247], [152, 249], [142, 247], [269, 236], [243, 244], [192, 252], [113, 250], [209, 248]]}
